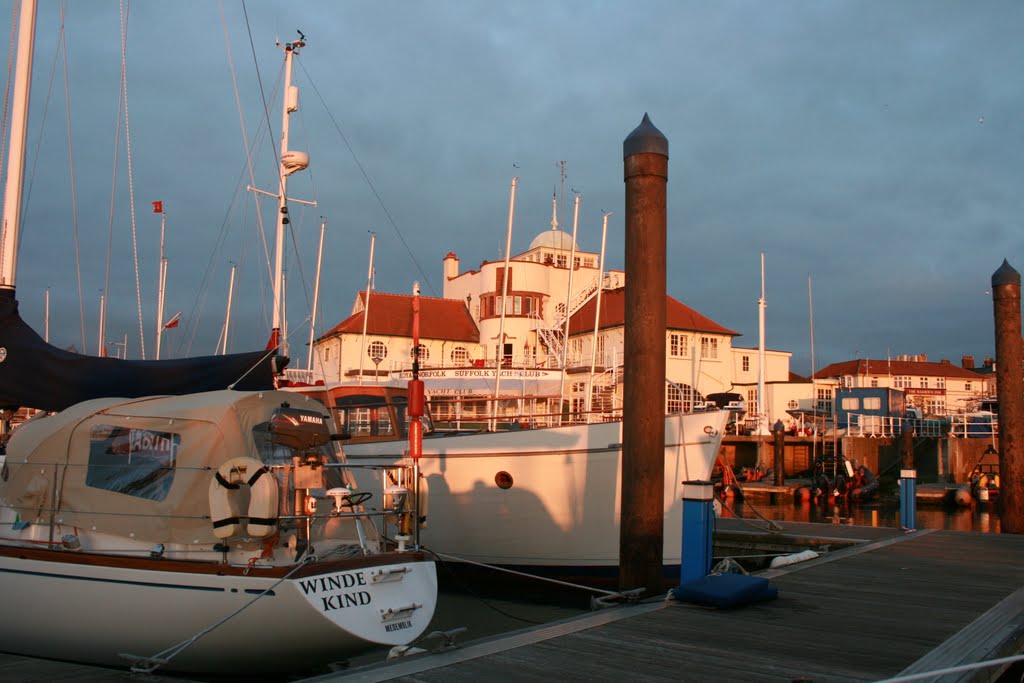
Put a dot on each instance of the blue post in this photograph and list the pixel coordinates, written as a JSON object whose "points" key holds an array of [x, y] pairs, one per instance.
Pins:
{"points": [[698, 530], [908, 500]]}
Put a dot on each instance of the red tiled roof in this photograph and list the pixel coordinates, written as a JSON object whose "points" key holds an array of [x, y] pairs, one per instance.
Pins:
{"points": [[391, 315], [678, 316], [865, 366]]}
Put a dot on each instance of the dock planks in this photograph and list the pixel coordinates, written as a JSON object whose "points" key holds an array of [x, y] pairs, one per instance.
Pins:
{"points": [[896, 604]]}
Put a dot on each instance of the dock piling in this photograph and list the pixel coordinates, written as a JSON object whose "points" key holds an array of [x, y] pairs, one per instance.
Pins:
{"points": [[908, 499], [698, 530]]}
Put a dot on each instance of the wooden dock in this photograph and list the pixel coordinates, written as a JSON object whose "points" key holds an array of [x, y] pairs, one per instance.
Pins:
{"points": [[894, 604]]}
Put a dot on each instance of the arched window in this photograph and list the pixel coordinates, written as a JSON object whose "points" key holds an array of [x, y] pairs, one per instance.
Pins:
{"points": [[377, 351], [460, 356]]}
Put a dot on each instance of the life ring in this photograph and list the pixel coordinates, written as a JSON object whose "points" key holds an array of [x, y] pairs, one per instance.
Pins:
{"points": [[263, 499]]}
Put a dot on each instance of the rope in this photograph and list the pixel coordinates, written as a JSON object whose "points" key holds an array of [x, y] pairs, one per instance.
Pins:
{"points": [[152, 663], [71, 166], [131, 178]]}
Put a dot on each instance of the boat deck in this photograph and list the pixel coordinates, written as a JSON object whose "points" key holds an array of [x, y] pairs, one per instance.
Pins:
{"points": [[896, 603]]}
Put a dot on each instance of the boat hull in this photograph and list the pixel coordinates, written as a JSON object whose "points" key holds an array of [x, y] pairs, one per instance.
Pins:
{"points": [[545, 498], [108, 610]]}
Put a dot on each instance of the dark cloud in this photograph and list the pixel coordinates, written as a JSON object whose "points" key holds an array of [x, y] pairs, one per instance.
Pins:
{"points": [[871, 147]]}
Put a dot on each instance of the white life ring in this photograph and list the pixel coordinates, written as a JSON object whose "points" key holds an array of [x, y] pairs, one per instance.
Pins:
{"points": [[263, 499]]}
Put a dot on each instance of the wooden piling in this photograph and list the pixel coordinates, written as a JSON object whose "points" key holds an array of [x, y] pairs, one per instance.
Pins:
{"points": [[907, 447], [778, 467], [1010, 392], [641, 531]]}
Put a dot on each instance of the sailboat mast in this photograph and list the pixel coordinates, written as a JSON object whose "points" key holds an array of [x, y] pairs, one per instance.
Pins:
{"points": [[366, 309], [16, 156], [316, 294], [46, 325], [161, 283], [290, 104], [762, 412], [568, 300], [597, 317], [227, 313], [504, 303]]}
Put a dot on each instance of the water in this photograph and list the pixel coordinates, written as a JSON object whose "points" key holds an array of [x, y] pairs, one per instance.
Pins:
{"points": [[883, 512]]}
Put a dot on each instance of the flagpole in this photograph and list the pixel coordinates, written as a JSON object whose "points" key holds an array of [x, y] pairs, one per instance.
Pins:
{"points": [[227, 313], [161, 279], [316, 294]]}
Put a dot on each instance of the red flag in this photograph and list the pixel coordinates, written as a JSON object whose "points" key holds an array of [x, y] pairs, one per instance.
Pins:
{"points": [[173, 322], [272, 343], [158, 207]]}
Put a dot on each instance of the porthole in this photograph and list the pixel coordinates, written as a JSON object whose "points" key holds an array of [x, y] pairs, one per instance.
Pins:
{"points": [[503, 480]]}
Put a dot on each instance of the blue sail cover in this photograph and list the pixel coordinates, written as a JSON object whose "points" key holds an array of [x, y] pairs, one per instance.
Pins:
{"points": [[35, 374]]}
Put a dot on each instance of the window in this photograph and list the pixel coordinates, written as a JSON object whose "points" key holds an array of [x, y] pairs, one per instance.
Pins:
{"points": [[940, 382], [377, 351], [499, 280], [924, 382], [872, 403], [850, 403], [576, 262], [746, 363], [793, 404], [561, 260], [901, 382], [460, 356], [874, 381], [825, 400], [517, 308], [678, 345], [135, 462], [967, 386], [599, 354], [708, 347], [675, 399]]}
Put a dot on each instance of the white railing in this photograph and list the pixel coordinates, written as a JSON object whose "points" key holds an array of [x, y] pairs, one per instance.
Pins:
{"points": [[875, 426]]}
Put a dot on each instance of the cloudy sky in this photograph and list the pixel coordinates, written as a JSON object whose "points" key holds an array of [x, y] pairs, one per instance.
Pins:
{"points": [[873, 149]]}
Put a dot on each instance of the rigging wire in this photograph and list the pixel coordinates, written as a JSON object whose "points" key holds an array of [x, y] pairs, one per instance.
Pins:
{"points": [[366, 178], [71, 167], [131, 178]]}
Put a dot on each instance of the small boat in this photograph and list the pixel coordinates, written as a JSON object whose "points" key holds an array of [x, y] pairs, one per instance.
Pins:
{"points": [[863, 485], [210, 533]]}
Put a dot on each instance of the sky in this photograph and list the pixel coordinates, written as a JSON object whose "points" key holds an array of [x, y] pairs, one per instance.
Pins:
{"points": [[870, 150]]}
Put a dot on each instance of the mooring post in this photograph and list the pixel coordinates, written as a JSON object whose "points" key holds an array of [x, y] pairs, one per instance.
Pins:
{"points": [[907, 446], [779, 432], [698, 530], [1010, 392], [642, 516], [908, 499]]}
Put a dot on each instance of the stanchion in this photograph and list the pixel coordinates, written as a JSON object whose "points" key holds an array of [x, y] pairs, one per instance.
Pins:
{"points": [[698, 530], [908, 500]]}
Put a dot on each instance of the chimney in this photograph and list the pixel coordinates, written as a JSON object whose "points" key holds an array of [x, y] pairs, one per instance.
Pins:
{"points": [[988, 362], [451, 266], [967, 362]]}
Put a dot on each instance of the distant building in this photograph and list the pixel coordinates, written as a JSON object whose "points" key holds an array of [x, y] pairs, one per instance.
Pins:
{"points": [[937, 388], [515, 318]]}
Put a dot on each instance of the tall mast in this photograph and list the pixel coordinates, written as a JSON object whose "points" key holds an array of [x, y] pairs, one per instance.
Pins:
{"points": [[597, 316], [504, 303], [762, 412], [290, 163], [568, 303], [227, 312], [161, 280], [16, 156], [316, 294], [366, 309]]}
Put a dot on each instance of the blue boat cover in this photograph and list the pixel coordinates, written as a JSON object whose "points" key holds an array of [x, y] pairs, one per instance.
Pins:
{"points": [[725, 590]]}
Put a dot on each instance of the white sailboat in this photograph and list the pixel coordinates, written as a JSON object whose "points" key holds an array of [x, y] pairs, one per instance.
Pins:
{"points": [[207, 532]]}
